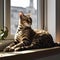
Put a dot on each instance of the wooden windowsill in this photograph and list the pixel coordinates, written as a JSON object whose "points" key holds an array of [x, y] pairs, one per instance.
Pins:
{"points": [[30, 54]]}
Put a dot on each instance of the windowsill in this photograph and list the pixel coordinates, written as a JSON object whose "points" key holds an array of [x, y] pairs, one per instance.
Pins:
{"points": [[30, 54]]}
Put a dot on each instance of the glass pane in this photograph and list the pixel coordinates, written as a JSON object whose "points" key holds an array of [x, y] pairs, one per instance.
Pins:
{"points": [[28, 7]]}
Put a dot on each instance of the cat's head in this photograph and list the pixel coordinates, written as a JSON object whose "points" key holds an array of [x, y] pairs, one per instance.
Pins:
{"points": [[25, 20]]}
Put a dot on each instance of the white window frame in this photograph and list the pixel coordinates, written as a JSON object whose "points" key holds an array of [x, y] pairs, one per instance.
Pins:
{"points": [[43, 16]]}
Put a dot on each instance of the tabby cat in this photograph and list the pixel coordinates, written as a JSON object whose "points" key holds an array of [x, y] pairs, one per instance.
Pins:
{"points": [[27, 38]]}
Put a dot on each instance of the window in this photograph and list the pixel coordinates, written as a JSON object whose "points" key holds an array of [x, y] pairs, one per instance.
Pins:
{"points": [[13, 7], [44, 10], [28, 7]]}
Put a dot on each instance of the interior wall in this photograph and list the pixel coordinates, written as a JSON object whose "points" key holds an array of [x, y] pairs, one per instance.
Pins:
{"points": [[58, 20], [1, 13], [53, 57]]}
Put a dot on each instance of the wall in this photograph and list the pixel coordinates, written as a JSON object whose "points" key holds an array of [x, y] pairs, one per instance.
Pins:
{"points": [[54, 57], [1, 13], [58, 20]]}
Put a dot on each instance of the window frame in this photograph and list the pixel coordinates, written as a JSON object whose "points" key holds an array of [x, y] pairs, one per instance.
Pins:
{"points": [[43, 17], [7, 16]]}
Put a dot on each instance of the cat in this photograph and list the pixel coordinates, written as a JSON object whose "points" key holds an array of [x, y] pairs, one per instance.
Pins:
{"points": [[24, 34], [27, 38]]}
